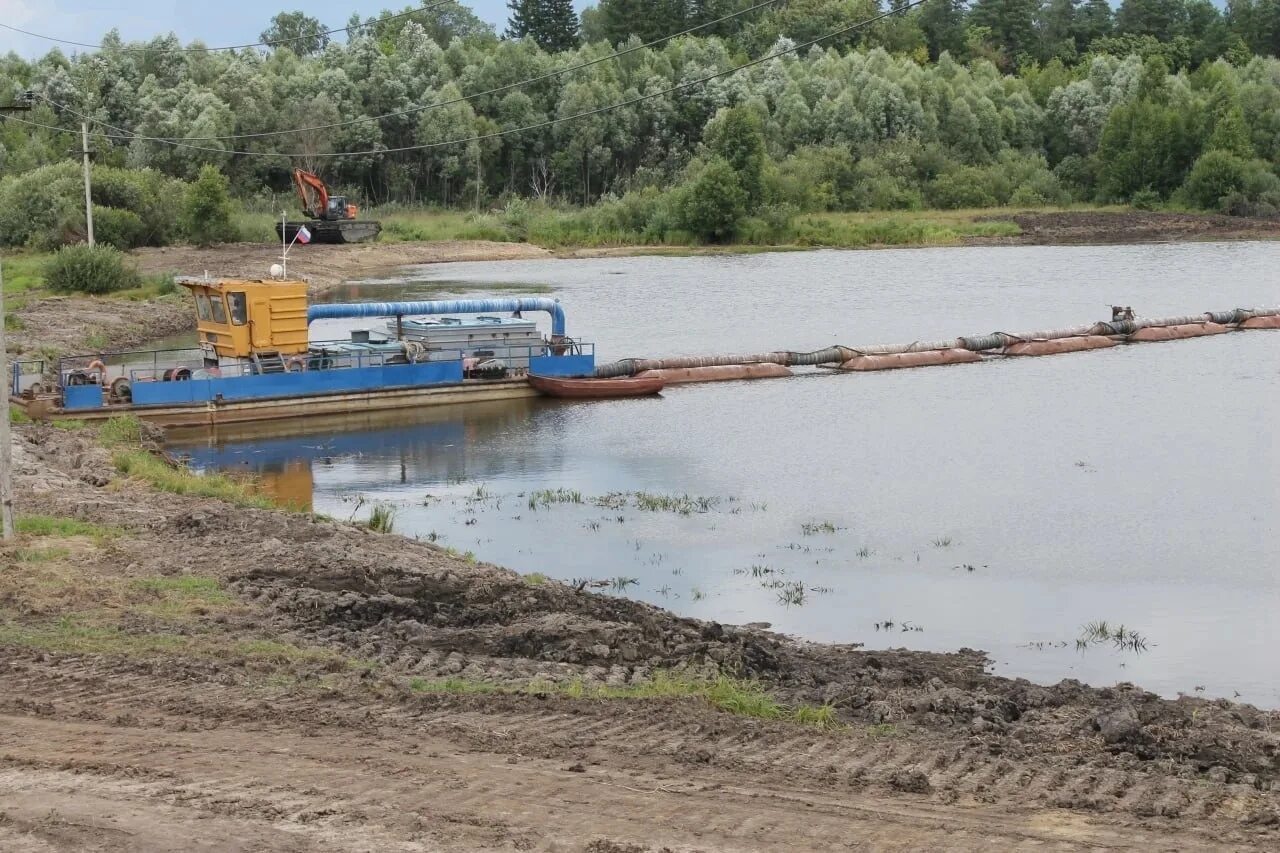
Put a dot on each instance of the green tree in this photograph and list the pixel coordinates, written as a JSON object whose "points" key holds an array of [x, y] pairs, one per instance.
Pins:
{"points": [[1231, 134], [943, 24], [1162, 19], [207, 214], [296, 31], [648, 20], [1215, 175], [553, 24], [1094, 20], [736, 136], [713, 206], [1012, 26], [1144, 146]]}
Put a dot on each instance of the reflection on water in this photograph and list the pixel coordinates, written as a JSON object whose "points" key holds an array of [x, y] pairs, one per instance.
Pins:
{"points": [[999, 506]]}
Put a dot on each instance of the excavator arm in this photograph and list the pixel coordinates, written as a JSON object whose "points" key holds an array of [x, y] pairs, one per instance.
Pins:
{"points": [[313, 192]]}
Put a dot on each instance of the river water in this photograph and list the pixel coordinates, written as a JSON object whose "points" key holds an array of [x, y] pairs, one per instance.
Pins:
{"points": [[1000, 506]]}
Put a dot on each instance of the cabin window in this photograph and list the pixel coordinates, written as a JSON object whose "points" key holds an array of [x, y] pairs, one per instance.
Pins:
{"points": [[239, 308], [219, 310], [202, 306]]}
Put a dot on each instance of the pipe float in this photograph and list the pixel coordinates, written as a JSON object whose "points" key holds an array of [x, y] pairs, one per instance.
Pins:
{"points": [[441, 306], [1207, 323], [1059, 345], [722, 373], [896, 360], [1177, 332]]}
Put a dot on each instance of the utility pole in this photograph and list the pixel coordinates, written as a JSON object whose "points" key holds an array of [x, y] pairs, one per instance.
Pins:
{"points": [[6, 448], [88, 195], [6, 376], [477, 180]]}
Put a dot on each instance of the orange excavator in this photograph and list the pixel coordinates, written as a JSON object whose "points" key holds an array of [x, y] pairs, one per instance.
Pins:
{"points": [[330, 218]]}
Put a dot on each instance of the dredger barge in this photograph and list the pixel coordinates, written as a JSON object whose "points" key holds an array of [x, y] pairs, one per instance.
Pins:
{"points": [[255, 360]]}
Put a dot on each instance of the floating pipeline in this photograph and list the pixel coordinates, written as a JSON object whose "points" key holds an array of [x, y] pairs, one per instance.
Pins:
{"points": [[1059, 345], [1178, 332], [1074, 339], [894, 361], [721, 373]]}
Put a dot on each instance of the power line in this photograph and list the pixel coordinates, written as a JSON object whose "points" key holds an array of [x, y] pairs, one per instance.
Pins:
{"points": [[463, 98], [371, 23], [537, 125]]}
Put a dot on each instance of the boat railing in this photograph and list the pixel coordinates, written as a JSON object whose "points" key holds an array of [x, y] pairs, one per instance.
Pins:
{"points": [[189, 362], [27, 375], [105, 368]]}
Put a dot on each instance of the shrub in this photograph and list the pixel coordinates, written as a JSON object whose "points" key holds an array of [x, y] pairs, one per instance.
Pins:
{"points": [[962, 188], [122, 229], [713, 205], [89, 269], [1215, 174], [42, 208], [1146, 199], [1077, 174], [208, 212]]}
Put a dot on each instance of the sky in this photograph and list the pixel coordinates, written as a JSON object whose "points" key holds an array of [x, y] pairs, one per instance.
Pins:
{"points": [[224, 23]]}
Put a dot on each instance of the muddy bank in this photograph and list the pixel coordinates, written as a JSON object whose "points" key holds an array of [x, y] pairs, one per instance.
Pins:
{"points": [[1083, 227], [325, 266], [376, 618]]}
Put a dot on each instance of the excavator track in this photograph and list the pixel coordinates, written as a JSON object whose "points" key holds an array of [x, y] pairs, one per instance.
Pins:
{"points": [[344, 231]]}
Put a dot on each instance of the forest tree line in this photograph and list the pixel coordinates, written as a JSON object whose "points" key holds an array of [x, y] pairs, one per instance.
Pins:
{"points": [[945, 105]]}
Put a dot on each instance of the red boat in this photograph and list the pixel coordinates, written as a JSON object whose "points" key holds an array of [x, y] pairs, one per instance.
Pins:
{"points": [[594, 389]]}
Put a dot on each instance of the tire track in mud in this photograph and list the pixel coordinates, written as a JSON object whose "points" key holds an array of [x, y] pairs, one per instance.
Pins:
{"points": [[616, 737]]}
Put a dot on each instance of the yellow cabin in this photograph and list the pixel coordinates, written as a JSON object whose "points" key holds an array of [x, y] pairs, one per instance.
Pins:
{"points": [[237, 319]]}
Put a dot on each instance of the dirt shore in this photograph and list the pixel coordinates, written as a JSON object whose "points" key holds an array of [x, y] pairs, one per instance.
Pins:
{"points": [[1069, 228], [176, 668], [81, 324]]}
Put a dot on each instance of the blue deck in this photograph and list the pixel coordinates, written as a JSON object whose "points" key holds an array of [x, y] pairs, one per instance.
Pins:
{"points": [[311, 382], [300, 384]]}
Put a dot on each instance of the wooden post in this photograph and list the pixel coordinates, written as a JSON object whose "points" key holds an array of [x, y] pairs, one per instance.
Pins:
{"points": [[88, 196], [6, 448]]}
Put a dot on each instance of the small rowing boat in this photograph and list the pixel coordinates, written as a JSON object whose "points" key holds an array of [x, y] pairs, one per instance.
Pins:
{"points": [[595, 389]]}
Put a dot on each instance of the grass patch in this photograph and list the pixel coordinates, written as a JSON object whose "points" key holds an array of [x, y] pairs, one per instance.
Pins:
{"points": [[546, 497], [273, 651], [458, 686], [813, 528], [382, 519], [48, 525], [731, 695], [152, 287], [24, 271], [40, 555], [69, 635], [123, 429], [18, 416], [536, 579], [191, 587], [72, 636], [145, 467]]}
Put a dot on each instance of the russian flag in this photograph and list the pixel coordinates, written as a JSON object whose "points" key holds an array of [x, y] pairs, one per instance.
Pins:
{"points": [[304, 236]]}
